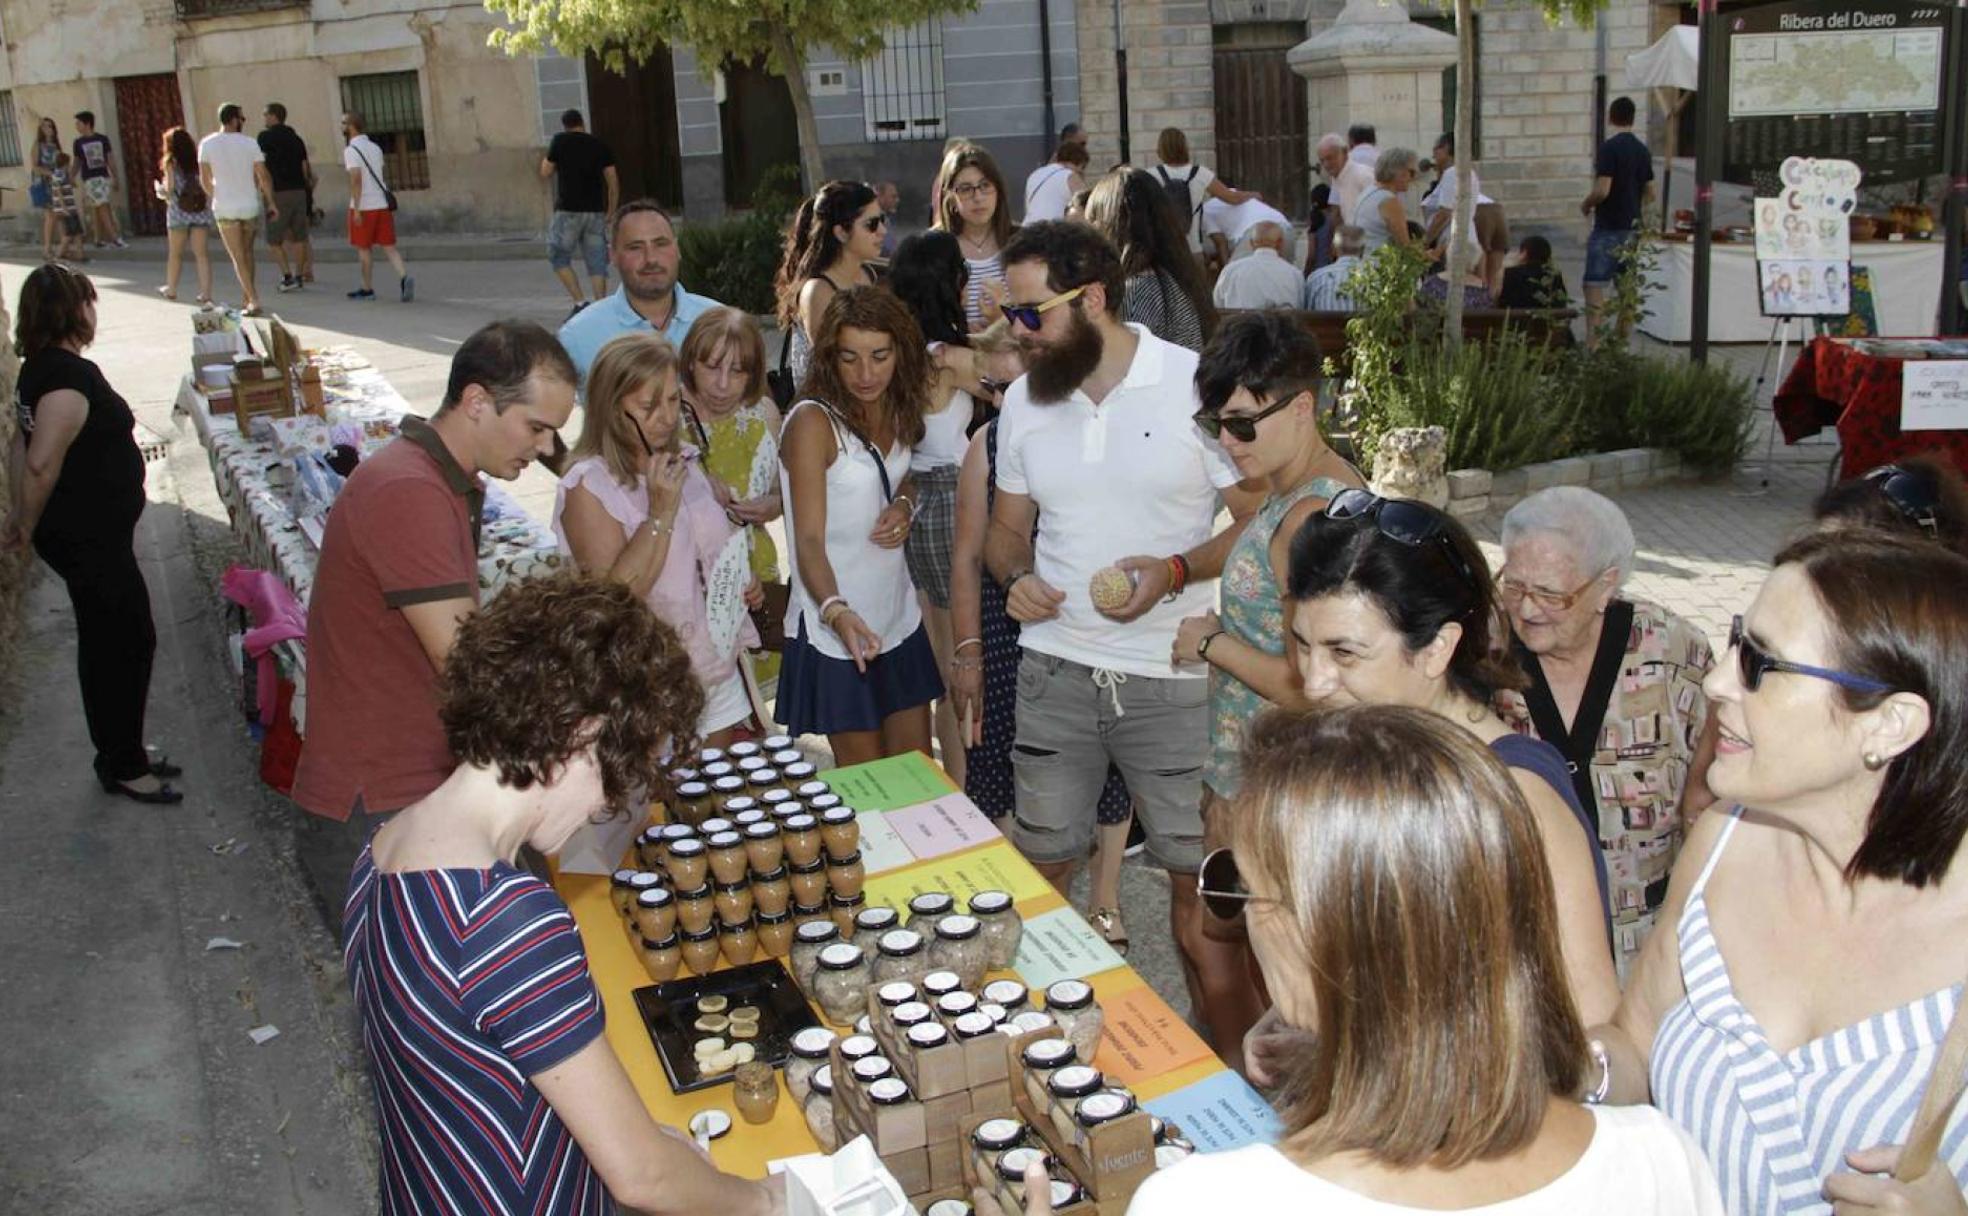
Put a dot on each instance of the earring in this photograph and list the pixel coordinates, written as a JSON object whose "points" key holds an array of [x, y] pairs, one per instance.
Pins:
{"points": [[1873, 761]]}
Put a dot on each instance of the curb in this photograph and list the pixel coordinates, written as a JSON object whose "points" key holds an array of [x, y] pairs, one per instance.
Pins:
{"points": [[1474, 492]]}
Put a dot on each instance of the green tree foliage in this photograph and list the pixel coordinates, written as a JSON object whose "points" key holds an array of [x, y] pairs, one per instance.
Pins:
{"points": [[718, 31]]}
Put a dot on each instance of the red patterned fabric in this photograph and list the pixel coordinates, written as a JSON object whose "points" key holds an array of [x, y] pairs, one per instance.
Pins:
{"points": [[146, 107], [1835, 385]]}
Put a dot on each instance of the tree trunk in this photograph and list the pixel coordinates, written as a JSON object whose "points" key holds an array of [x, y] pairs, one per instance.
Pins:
{"points": [[788, 54], [1465, 164]]}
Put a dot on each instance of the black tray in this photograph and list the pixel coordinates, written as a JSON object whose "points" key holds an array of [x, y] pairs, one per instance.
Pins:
{"points": [[670, 1009]]}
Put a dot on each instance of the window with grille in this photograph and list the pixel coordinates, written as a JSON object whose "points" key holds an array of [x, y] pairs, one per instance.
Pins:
{"points": [[902, 87], [392, 112], [10, 149]]}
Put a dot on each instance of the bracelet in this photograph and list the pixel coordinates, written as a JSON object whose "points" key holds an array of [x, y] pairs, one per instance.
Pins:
{"points": [[1178, 577], [1605, 1086], [825, 604], [1202, 647], [977, 642], [656, 525], [907, 499]]}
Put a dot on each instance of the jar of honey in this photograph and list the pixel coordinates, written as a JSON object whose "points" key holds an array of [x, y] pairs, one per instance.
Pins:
{"points": [[660, 957], [734, 901], [775, 933], [840, 831], [809, 883], [802, 836], [695, 909], [846, 876], [700, 950], [738, 940], [772, 891], [729, 860]]}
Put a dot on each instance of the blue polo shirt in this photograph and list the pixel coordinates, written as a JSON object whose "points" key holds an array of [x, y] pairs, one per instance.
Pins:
{"points": [[587, 331]]}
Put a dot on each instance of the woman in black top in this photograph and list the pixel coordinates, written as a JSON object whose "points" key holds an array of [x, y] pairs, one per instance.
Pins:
{"points": [[78, 492]]}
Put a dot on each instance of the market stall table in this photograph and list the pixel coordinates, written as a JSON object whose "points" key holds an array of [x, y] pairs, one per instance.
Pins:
{"points": [[1906, 289], [1852, 385], [918, 834]]}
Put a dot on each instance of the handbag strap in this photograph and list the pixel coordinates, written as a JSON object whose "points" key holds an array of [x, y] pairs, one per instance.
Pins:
{"points": [[372, 169], [1944, 1089], [840, 424]]}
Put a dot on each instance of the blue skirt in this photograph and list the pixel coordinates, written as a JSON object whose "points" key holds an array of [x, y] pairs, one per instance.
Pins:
{"points": [[820, 695]]}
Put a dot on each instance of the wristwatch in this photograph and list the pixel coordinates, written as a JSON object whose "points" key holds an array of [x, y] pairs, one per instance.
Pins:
{"points": [[1202, 647]]}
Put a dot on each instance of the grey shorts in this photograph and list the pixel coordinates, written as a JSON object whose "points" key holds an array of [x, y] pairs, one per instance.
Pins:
{"points": [[1069, 729], [292, 226]]}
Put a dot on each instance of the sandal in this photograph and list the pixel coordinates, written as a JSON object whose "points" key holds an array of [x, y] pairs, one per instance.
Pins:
{"points": [[167, 293], [1107, 922]]}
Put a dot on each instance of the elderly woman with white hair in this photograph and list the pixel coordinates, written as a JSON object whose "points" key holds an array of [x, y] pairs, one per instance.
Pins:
{"points": [[1380, 215], [1616, 685]]}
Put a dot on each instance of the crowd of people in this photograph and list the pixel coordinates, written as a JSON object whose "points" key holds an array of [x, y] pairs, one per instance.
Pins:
{"points": [[1604, 867]]}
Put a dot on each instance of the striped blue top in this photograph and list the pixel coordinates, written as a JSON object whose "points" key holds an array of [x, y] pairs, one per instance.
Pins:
{"points": [[1776, 1125], [467, 983]]}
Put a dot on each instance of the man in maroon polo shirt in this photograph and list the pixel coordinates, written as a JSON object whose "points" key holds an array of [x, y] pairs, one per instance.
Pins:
{"points": [[399, 569]]}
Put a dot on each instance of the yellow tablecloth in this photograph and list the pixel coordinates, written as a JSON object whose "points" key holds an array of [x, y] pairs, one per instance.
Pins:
{"points": [[1147, 1046]]}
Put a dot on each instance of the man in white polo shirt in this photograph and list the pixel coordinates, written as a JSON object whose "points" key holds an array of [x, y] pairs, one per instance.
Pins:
{"points": [[1097, 446]]}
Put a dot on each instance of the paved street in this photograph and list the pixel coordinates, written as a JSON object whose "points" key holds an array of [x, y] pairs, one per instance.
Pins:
{"points": [[132, 1083]]}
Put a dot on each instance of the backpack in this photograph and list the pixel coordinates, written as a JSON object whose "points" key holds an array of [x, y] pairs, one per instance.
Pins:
{"points": [[191, 194], [1177, 189]]}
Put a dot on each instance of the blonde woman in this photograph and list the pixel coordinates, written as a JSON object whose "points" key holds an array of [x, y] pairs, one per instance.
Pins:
{"points": [[636, 506]]}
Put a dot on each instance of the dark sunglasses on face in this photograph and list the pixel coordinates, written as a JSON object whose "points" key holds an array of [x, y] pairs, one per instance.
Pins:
{"points": [[1916, 498], [875, 223], [1242, 427], [1221, 886], [1753, 663], [1401, 520], [1028, 315]]}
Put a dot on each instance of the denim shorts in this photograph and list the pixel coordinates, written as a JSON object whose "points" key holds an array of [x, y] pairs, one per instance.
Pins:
{"points": [[1602, 250], [1070, 727], [585, 230]]}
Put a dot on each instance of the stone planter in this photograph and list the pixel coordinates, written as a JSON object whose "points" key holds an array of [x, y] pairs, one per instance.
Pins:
{"points": [[1475, 492]]}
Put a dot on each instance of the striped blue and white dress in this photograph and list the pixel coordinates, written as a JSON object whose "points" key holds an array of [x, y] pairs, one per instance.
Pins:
{"points": [[467, 984], [1775, 1126]]}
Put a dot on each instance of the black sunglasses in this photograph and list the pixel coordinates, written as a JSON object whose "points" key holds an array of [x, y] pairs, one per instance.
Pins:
{"points": [[1221, 885], [1753, 663], [1401, 520], [1242, 427], [1916, 498]]}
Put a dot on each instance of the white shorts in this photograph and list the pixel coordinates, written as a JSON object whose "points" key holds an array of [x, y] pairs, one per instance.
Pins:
{"points": [[725, 705]]}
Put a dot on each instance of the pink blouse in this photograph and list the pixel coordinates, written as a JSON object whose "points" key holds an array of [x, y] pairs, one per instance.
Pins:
{"points": [[678, 594]]}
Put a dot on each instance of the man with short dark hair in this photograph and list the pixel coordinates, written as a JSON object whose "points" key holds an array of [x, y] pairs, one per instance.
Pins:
{"points": [[1098, 450], [399, 570], [97, 171], [642, 243], [293, 197], [234, 172], [586, 191], [1362, 146], [1622, 184]]}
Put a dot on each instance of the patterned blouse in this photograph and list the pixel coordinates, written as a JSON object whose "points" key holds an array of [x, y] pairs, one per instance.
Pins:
{"points": [[740, 453], [1253, 612], [1631, 761], [1154, 299]]}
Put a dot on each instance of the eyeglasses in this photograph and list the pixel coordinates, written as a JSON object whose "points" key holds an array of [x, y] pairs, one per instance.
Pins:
{"points": [[1028, 314], [971, 190], [1916, 498], [1402, 520], [1753, 663], [1221, 886], [1511, 590], [875, 223], [1242, 427]]}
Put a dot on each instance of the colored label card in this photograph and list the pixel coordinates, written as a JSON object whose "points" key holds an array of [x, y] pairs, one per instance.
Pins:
{"points": [[883, 785], [1219, 1112], [1060, 945], [881, 849], [1143, 1038], [998, 868], [948, 824]]}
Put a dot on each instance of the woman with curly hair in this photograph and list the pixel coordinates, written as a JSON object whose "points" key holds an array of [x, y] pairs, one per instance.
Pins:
{"points": [[495, 1088], [829, 243], [972, 206], [858, 667], [1165, 288]]}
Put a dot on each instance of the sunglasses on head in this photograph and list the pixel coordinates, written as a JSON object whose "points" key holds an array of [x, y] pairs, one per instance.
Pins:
{"points": [[1916, 498], [1753, 663], [1028, 315], [1241, 427], [1401, 520], [1220, 885]]}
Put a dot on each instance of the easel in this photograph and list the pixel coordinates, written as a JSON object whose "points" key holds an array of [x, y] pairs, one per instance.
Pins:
{"points": [[1778, 345]]}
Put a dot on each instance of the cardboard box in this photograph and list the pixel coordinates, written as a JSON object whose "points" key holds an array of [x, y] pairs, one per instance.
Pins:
{"points": [[252, 397], [911, 1169], [943, 1116], [981, 1172], [933, 1073], [893, 1129], [1111, 1161], [946, 1163]]}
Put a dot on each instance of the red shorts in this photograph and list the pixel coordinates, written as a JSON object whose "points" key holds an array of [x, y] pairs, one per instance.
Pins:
{"points": [[367, 228]]}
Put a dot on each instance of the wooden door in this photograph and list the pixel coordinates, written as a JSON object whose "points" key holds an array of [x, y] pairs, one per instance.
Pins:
{"points": [[758, 126], [1261, 119], [634, 113], [146, 107]]}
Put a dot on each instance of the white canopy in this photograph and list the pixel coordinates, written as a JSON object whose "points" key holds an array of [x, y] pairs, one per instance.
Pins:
{"points": [[1669, 63]]}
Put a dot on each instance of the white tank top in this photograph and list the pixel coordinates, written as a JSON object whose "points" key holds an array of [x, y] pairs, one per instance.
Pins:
{"points": [[873, 580], [944, 440]]}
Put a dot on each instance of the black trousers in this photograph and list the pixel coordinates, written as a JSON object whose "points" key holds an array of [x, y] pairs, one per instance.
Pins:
{"points": [[115, 641]]}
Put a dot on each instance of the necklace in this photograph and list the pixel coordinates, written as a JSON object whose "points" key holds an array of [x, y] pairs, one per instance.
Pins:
{"points": [[978, 249]]}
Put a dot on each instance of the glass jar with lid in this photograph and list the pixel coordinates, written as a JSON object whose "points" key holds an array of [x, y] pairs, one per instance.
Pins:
{"points": [[857, 1047], [955, 1004], [711, 827], [973, 1026], [889, 1091], [738, 940], [1030, 1020], [1042, 1058], [783, 811], [928, 908], [660, 956], [728, 786], [649, 848], [798, 774], [750, 765], [810, 789], [640, 881], [763, 848], [803, 913], [895, 994], [775, 743], [809, 883], [744, 821], [689, 863], [728, 860], [869, 1069], [844, 908], [840, 985], [736, 810], [840, 831], [928, 1036], [960, 947], [759, 780], [1071, 1004], [772, 891], [820, 804], [994, 1137], [819, 1109], [1013, 1162], [808, 941], [655, 913], [949, 1207], [775, 933], [1009, 995], [870, 924], [710, 755], [734, 900], [693, 801], [1066, 1087], [809, 1050], [846, 875], [700, 950], [741, 751], [902, 957], [694, 909], [802, 836], [941, 983], [771, 800], [711, 770], [1003, 927], [673, 832], [683, 773], [910, 1013], [620, 893], [1102, 1106]]}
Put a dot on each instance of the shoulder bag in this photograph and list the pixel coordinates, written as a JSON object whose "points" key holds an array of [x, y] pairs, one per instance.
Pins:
{"points": [[389, 196]]}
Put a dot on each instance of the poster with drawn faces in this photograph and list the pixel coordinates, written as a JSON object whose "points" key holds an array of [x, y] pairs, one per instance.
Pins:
{"points": [[1804, 239], [1805, 288]]}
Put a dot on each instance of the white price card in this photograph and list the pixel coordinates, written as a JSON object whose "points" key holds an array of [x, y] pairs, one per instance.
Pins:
{"points": [[1934, 395]]}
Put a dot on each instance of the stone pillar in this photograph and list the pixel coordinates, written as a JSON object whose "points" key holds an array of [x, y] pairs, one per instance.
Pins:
{"points": [[1375, 65]]}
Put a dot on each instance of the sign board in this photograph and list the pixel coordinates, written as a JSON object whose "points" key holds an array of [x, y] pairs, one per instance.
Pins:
{"points": [[1934, 395], [1857, 80], [1804, 239]]}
